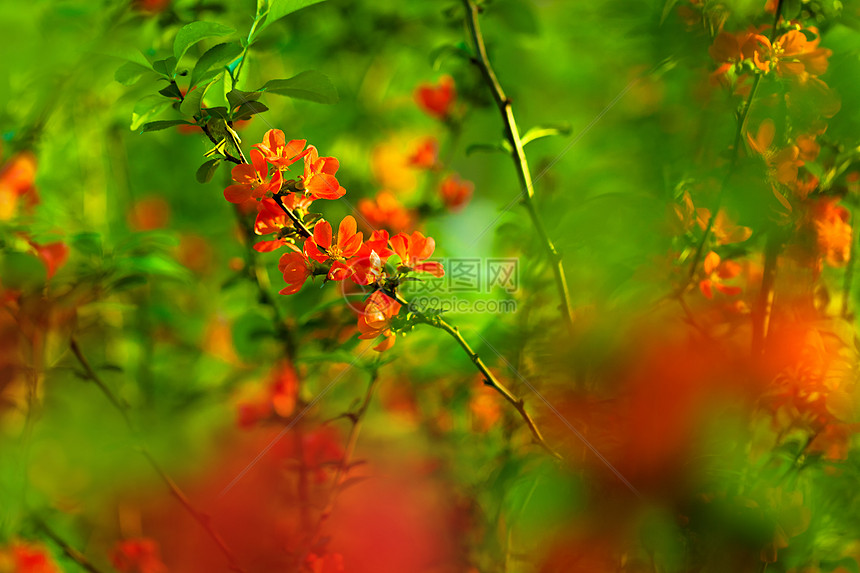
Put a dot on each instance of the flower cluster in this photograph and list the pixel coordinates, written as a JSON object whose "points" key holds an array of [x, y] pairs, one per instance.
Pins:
{"points": [[283, 213]]}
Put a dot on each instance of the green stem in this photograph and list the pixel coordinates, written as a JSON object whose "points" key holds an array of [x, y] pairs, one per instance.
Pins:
{"points": [[742, 119], [764, 305], [519, 157]]}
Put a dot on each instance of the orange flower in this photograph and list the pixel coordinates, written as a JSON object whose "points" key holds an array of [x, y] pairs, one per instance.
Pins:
{"points": [[296, 269], [319, 180], [280, 399], [149, 213], [792, 55], [414, 249], [335, 251], [138, 555], [783, 164], [426, 154], [17, 179], [367, 266], [278, 152], [723, 229], [456, 192], [375, 319], [272, 220], [730, 49], [485, 408], [437, 101], [716, 272], [385, 211], [252, 181], [834, 233]]}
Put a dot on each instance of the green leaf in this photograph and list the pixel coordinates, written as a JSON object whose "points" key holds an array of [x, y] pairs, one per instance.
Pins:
{"points": [[214, 56], [310, 85], [249, 331], [165, 67], [165, 124], [248, 109], [280, 8], [238, 97], [171, 91], [192, 33], [503, 147], [130, 72], [87, 244], [848, 563], [538, 132], [667, 9], [518, 15], [790, 9], [156, 264], [459, 50], [22, 271], [128, 282], [146, 108], [193, 99], [206, 171]]}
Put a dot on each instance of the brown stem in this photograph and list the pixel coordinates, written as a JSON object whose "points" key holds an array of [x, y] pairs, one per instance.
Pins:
{"points": [[489, 378], [357, 419], [441, 324], [198, 516], [69, 551], [519, 157]]}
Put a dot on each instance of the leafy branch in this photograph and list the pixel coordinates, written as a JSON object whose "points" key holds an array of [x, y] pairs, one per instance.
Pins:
{"points": [[512, 134]]}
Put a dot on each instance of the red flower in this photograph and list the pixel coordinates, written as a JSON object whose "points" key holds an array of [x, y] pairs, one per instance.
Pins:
{"points": [[456, 192], [52, 255], [437, 101], [425, 155], [331, 563], [296, 269], [716, 272], [252, 181], [138, 555], [279, 152], [26, 558], [414, 249], [375, 319], [319, 180], [368, 264], [336, 251], [272, 219], [385, 211], [280, 398]]}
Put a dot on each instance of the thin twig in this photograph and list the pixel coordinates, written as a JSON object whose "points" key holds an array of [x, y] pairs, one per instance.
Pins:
{"points": [[357, 419], [198, 516], [742, 119], [518, 155], [70, 551]]}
